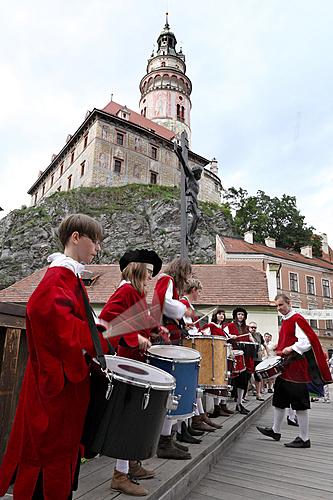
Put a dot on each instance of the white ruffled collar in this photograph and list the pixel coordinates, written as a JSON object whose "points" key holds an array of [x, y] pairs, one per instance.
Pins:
{"points": [[58, 259]]}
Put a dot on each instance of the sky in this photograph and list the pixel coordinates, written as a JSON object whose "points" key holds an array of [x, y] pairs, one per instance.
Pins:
{"points": [[261, 70]]}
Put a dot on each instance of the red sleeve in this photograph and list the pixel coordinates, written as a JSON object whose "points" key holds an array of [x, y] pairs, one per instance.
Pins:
{"points": [[58, 336], [316, 348], [117, 305]]}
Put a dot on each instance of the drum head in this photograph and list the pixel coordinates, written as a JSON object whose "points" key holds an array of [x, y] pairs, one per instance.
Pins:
{"points": [[268, 363], [174, 353], [139, 373]]}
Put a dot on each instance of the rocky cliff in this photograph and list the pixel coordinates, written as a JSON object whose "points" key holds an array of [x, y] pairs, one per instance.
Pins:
{"points": [[132, 216]]}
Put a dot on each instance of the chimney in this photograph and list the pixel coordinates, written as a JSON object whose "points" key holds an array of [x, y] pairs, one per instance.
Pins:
{"points": [[307, 251], [53, 157], [324, 243], [270, 242], [248, 237], [214, 166]]}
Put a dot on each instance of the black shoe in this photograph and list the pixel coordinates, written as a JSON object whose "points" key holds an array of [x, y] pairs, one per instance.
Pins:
{"points": [[292, 422], [194, 432], [242, 410], [298, 443], [185, 436], [268, 431], [259, 399], [270, 391], [179, 446], [166, 449]]}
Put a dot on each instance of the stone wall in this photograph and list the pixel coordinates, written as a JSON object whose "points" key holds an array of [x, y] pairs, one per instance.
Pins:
{"points": [[132, 216]]}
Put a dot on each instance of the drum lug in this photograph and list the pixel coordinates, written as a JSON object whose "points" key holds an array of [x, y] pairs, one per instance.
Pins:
{"points": [[200, 392], [172, 402], [194, 406], [145, 399], [109, 390]]}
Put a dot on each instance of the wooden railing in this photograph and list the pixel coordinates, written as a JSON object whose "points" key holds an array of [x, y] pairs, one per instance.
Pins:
{"points": [[13, 358]]}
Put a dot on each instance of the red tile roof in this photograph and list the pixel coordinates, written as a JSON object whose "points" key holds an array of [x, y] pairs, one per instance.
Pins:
{"points": [[113, 108], [225, 285], [238, 245]]}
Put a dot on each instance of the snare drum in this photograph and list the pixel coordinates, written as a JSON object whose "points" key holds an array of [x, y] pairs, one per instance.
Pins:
{"points": [[236, 363], [213, 366], [183, 364], [270, 367], [132, 419]]}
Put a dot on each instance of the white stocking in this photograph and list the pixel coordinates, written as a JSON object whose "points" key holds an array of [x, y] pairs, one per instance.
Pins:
{"points": [[167, 426], [122, 466], [278, 415], [303, 422], [240, 394], [200, 406], [291, 414]]}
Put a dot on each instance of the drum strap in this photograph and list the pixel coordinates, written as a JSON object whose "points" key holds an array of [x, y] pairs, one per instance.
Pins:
{"points": [[93, 329]]}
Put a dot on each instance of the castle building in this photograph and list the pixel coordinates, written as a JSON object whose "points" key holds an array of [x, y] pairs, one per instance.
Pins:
{"points": [[116, 146]]}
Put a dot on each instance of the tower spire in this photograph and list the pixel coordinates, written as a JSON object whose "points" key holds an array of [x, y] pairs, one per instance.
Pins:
{"points": [[167, 26], [165, 88]]}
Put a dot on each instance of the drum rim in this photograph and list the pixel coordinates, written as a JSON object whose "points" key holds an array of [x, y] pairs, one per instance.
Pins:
{"points": [[210, 386], [179, 417], [277, 362], [215, 337], [242, 342], [131, 380], [181, 361]]}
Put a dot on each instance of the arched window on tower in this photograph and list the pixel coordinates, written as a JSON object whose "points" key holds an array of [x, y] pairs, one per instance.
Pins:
{"points": [[144, 111], [182, 113], [178, 111]]}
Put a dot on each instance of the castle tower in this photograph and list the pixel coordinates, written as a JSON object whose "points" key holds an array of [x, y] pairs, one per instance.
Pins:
{"points": [[165, 89]]}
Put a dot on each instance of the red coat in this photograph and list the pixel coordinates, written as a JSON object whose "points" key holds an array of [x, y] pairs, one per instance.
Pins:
{"points": [[160, 290], [128, 303], [46, 433], [215, 329], [235, 329], [298, 370]]}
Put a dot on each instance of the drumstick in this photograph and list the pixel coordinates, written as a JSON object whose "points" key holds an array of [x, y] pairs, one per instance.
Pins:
{"points": [[202, 317], [131, 321]]}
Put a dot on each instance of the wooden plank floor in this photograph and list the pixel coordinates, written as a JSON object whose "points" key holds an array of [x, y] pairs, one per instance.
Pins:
{"points": [[256, 467]]}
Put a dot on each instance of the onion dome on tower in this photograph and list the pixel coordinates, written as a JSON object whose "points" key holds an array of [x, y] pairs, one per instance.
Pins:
{"points": [[165, 89]]}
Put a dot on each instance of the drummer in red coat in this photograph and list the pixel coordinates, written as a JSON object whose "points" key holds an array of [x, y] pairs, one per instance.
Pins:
{"points": [[239, 327], [305, 362], [128, 305], [42, 454], [168, 309]]}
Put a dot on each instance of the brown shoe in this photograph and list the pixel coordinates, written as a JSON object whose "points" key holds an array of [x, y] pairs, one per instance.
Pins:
{"points": [[205, 418], [122, 483], [167, 449], [200, 425], [136, 471], [226, 410]]}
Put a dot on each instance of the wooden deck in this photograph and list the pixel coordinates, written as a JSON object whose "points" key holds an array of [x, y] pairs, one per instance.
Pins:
{"points": [[234, 463], [258, 467]]}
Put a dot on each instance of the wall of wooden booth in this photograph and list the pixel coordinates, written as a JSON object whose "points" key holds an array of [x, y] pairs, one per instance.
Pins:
{"points": [[13, 358]]}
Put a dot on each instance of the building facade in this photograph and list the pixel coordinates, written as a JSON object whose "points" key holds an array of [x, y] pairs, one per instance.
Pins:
{"points": [[116, 146], [307, 280]]}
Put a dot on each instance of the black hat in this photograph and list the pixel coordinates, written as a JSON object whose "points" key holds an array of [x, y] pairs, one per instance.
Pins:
{"points": [[144, 256], [239, 310]]}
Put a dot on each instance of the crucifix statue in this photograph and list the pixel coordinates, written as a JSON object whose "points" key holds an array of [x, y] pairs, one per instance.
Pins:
{"points": [[190, 213]]}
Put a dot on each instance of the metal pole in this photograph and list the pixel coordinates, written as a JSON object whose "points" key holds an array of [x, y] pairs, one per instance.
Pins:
{"points": [[183, 218]]}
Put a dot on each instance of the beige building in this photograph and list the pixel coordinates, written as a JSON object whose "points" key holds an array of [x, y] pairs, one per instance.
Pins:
{"points": [[306, 279], [116, 146]]}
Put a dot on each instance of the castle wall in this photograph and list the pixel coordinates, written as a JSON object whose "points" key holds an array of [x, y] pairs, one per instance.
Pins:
{"points": [[100, 161]]}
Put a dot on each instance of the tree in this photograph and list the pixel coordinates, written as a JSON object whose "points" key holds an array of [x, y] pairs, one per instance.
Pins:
{"points": [[275, 217]]}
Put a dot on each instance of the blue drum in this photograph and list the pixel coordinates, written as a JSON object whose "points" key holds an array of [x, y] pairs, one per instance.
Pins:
{"points": [[182, 363]]}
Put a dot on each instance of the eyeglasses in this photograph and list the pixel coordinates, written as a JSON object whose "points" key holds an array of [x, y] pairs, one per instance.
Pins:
{"points": [[95, 242], [253, 327]]}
